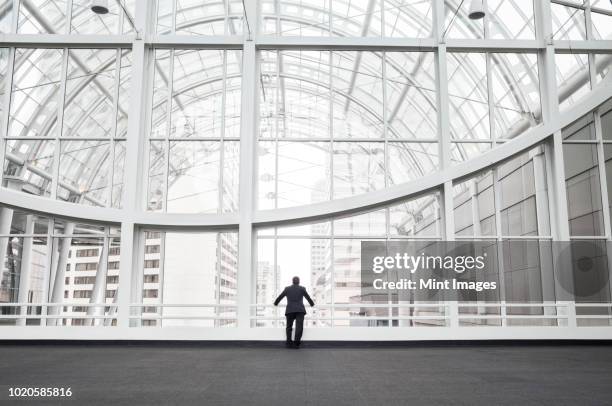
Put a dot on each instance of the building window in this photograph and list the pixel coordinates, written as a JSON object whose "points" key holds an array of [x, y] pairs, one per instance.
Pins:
{"points": [[87, 266]]}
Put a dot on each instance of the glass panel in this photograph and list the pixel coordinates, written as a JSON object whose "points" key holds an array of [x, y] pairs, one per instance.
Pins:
{"points": [[304, 106], [157, 173], [233, 95], [356, 18], [24, 269], [89, 101], [123, 107], [358, 168], [266, 180], [40, 17], [517, 197], [34, 99], [193, 177], [202, 17], [269, 92], [358, 95], [267, 283], [407, 18], [368, 224], [303, 17], [408, 161], [303, 173], [573, 78], [516, 93], [161, 75], [84, 169], [466, 151], [457, 23], [4, 53], [474, 207], [28, 166], [602, 66], [468, 97], [608, 161], [418, 217], [199, 268], [312, 229], [602, 23], [583, 190], [511, 19], [118, 172], [197, 95], [568, 23], [84, 21], [411, 95], [231, 170], [7, 18], [606, 126]]}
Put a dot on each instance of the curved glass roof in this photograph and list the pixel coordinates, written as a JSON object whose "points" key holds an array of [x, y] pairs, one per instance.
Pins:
{"points": [[366, 118]]}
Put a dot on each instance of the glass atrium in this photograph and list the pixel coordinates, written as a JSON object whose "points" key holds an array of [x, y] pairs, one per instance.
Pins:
{"points": [[168, 166]]}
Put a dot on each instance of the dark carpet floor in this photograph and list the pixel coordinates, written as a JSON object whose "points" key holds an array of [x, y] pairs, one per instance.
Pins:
{"points": [[167, 374]]}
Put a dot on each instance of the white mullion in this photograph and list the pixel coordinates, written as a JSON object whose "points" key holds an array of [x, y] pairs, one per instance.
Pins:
{"points": [[132, 191], [276, 125], [147, 139], [15, 16], [332, 249], [166, 151], [491, 103], [69, 6], [330, 149], [383, 56], [6, 102], [499, 244], [277, 17], [603, 181], [173, 18], [222, 141], [331, 18], [386, 164], [162, 273], [330, 190], [589, 37], [248, 153], [226, 17], [113, 133], [48, 268], [60, 125], [276, 277], [218, 285], [382, 18]]}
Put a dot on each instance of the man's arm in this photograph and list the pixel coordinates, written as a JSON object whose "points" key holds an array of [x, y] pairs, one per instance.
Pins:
{"points": [[307, 296], [280, 297]]}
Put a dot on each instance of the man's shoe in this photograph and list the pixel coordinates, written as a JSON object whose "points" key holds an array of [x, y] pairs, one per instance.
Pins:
{"points": [[288, 344], [296, 346]]}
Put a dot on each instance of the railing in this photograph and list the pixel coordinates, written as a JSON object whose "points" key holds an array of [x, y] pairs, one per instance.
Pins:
{"points": [[557, 314], [24, 312], [447, 314], [182, 312]]}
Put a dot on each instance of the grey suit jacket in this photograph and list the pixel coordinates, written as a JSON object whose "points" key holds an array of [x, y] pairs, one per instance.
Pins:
{"points": [[294, 294]]}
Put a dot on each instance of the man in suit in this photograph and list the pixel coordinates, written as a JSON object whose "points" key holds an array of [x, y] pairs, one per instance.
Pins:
{"points": [[295, 310]]}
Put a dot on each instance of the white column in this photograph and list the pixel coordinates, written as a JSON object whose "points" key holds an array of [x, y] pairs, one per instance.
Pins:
{"points": [[25, 269], [133, 192], [98, 294], [248, 133], [57, 291]]}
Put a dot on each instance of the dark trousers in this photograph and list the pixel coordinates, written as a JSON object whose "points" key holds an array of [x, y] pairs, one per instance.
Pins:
{"points": [[299, 326]]}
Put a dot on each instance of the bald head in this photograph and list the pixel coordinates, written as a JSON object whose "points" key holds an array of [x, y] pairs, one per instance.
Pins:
{"points": [[296, 280]]}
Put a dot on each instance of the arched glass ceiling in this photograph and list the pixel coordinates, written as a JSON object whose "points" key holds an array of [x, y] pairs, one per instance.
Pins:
{"points": [[332, 123]]}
